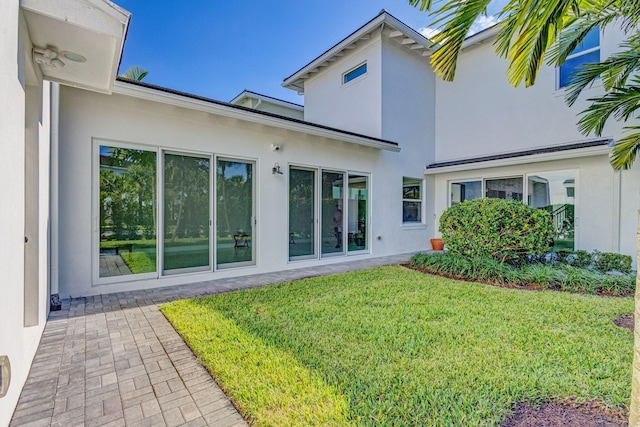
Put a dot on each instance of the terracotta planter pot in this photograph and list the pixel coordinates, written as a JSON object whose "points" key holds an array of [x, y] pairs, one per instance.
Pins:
{"points": [[437, 244]]}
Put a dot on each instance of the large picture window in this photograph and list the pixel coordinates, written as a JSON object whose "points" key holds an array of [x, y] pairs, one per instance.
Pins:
{"points": [[155, 217], [553, 191]]}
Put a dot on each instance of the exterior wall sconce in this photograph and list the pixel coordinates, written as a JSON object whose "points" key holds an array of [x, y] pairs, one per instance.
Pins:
{"points": [[5, 375], [275, 170]]}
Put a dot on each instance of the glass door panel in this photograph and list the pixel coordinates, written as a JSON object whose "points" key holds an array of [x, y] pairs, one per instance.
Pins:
{"points": [[302, 208], [555, 193], [234, 212], [357, 213], [127, 211], [332, 226], [461, 191], [504, 188], [186, 213]]}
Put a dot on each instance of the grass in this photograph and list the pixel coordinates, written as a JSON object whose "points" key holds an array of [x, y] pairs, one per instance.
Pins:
{"points": [[392, 346]]}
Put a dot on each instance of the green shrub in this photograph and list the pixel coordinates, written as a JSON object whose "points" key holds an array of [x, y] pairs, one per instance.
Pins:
{"points": [[549, 276], [507, 231], [610, 261], [581, 259], [482, 269], [545, 275]]}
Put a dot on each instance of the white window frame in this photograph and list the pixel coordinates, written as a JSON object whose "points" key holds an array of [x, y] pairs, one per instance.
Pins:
{"points": [[351, 70], [95, 213], [419, 200], [577, 55]]}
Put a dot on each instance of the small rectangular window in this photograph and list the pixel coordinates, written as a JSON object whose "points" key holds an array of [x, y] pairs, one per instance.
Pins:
{"points": [[411, 200], [587, 52], [354, 74]]}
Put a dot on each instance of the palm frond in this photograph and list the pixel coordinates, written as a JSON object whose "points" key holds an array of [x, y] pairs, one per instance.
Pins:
{"points": [[135, 72], [457, 17], [614, 71], [620, 103], [625, 150]]}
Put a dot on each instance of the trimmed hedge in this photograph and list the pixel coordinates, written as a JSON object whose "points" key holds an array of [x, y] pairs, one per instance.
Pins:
{"points": [[505, 230]]}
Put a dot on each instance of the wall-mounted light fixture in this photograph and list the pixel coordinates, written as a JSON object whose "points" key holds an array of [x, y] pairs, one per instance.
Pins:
{"points": [[47, 56], [276, 169], [5, 375]]}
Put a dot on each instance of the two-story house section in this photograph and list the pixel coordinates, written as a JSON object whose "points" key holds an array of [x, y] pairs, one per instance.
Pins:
{"points": [[118, 185], [494, 140]]}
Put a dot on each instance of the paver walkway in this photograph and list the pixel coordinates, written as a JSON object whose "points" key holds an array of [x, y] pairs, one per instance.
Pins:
{"points": [[114, 360]]}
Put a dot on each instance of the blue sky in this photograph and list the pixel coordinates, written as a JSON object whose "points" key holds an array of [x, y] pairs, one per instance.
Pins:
{"points": [[218, 48]]}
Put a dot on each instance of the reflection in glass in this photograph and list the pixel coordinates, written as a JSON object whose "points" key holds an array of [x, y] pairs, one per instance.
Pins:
{"points": [[234, 212], [357, 213], [461, 191], [411, 200], [301, 213], [332, 213], [127, 211], [186, 212], [555, 193], [504, 188]]}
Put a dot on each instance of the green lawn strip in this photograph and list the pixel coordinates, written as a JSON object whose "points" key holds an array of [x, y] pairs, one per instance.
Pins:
{"points": [[268, 384], [412, 349], [139, 262]]}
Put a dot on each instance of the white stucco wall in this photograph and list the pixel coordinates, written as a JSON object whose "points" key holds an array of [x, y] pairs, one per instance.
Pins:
{"points": [[480, 113], [354, 106], [86, 116], [597, 202], [17, 341], [408, 99]]}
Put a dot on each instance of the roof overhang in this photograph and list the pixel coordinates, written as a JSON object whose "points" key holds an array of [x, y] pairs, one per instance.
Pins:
{"points": [[172, 97], [247, 94], [76, 42], [390, 26], [558, 152]]}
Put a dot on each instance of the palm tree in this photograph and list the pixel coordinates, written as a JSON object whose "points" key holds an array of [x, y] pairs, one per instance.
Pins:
{"points": [[135, 73], [531, 30]]}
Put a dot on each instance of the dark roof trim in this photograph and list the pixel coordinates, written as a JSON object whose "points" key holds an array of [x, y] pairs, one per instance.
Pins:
{"points": [[524, 153], [251, 110], [267, 96]]}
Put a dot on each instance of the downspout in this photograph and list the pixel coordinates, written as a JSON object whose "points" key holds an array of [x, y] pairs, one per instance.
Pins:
{"points": [[617, 211], [54, 197]]}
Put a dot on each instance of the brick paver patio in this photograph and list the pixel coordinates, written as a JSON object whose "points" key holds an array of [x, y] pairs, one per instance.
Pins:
{"points": [[114, 360]]}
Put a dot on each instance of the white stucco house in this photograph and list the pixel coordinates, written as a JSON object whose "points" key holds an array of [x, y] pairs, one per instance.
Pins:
{"points": [[113, 185]]}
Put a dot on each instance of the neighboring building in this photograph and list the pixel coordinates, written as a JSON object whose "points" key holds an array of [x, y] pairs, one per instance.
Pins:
{"points": [[122, 185], [259, 102]]}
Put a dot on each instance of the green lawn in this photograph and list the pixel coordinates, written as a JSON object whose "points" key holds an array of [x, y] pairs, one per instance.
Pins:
{"points": [[392, 346]]}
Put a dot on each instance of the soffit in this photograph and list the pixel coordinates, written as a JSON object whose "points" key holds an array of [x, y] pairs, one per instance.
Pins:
{"points": [[94, 29]]}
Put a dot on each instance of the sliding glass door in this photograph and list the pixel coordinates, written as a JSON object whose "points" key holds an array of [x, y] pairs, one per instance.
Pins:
{"points": [[235, 213], [302, 213], [332, 224], [555, 193], [127, 212], [187, 216], [358, 212]]}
